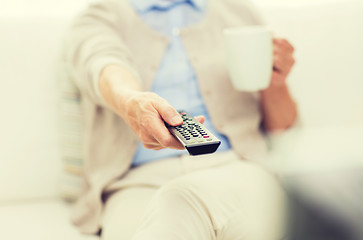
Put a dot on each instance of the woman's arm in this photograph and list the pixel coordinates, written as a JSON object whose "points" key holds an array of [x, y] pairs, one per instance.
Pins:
{"points": [[94, 41], [144, 112], [278, 108], [101, 65]]}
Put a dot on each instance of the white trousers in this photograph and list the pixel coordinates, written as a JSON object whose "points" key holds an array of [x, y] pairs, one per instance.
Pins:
{"points": [[211, 197]]}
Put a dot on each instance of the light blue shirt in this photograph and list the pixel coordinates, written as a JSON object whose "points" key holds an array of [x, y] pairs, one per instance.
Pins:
{"points": [[175, 80]]}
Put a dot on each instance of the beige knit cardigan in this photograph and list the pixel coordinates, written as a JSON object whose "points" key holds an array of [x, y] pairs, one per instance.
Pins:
{"points": [[110, 32]]}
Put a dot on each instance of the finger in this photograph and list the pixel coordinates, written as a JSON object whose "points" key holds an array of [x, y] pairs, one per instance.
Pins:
{"points": [[283, 63], [280, 64], [283, 52], [157, 149], [168, 113], [147, 139], [288, 45], [164, 137], [153, 147], [200, 119], [284, 44]]}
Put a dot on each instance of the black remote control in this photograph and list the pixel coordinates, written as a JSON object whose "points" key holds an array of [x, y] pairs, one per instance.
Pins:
{"points": [[194, 136]]}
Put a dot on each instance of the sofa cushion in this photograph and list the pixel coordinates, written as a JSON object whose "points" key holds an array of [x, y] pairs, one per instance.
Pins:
{"points": [[41, 220]]}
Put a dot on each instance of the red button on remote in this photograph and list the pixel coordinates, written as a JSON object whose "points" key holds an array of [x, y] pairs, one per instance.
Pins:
{"points": [[206, 136]]}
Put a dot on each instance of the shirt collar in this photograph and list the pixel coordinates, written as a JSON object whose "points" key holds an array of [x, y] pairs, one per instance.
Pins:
{"points": [[146, 5]]}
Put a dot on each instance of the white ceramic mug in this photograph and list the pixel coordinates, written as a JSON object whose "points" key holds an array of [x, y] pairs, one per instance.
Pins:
{"points": [[249, 52]]}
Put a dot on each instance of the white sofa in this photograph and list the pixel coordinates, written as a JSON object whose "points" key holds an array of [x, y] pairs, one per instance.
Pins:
{"points": [[327, 83]]}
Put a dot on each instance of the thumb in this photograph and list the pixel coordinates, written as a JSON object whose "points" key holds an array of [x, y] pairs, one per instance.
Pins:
{"points": [[200, 119], [169, 114]]}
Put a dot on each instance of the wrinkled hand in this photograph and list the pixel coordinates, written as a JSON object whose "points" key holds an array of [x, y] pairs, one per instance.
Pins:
{"points": [[145, 112], [283, 61]]}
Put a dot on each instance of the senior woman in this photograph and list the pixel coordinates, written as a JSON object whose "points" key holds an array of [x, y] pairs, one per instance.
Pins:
{"points": [[136, 62]]}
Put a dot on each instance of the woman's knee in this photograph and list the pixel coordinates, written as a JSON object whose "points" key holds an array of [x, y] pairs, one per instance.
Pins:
{"points": [[182, 192]]}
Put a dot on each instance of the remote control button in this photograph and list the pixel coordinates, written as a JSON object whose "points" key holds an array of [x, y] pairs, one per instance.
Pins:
{"points": [[191, 132]]}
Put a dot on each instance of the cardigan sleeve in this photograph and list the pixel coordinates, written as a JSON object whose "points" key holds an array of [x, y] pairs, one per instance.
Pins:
{"points": [[94, 41]]}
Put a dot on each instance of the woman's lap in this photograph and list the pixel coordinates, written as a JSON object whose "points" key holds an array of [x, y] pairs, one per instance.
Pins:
{"points": [[233, 200]]}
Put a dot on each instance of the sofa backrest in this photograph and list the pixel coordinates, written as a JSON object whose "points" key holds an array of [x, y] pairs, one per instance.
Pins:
{"points": [[327, 83]]}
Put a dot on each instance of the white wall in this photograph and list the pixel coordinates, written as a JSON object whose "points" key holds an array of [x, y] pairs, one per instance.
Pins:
{"points": [[327, 80], [297, 2], [23, 8], [54, 7]]}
